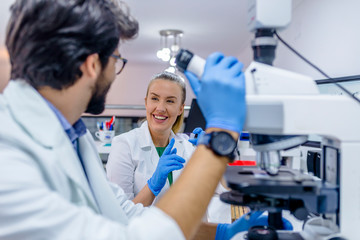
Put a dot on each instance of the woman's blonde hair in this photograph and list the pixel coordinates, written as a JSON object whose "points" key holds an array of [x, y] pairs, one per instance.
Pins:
{"points": [[181, 82]]}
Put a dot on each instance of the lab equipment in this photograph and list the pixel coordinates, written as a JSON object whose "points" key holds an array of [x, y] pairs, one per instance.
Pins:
{"points": [[229, 70], [302, 194], [268, 147], [168, 162], [194, 136], [264, 14], [279, 105], [263, 18], [187, 61]]}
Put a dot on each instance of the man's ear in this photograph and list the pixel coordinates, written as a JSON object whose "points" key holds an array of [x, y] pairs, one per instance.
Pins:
{"points": [[91, 67]]}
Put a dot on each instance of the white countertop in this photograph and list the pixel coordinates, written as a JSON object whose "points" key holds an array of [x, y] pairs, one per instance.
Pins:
{"points": [[103, 148]]}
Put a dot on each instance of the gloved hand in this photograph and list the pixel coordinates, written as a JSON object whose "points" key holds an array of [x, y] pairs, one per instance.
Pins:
{"points": [[227, 231], [221, 92], [197, 131], [168, 162]]}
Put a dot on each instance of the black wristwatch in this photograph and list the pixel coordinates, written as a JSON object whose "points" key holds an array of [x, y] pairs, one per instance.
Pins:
{"points": [[221, 143]]}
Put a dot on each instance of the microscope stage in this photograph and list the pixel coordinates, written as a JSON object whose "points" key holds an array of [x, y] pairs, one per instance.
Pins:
{"points": [[254, 180], [289, 190]]}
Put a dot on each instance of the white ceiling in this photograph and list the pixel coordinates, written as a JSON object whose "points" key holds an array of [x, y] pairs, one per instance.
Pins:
{"points": [[208, 25], [322, 30]]}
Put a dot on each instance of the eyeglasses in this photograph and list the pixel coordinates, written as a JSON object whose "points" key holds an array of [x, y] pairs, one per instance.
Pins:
{"points": [[120, 63]]}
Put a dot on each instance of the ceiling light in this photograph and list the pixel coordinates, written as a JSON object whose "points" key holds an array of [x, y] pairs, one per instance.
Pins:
{"points": [[172, 61], [170, 44], [170, 69]]}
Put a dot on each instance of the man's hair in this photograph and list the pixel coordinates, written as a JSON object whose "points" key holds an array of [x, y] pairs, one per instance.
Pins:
{"points": [[48, 40], [179, 81]]}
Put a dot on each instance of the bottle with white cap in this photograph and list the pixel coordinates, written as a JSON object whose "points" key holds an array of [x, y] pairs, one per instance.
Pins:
{"points": [[187, 61]]}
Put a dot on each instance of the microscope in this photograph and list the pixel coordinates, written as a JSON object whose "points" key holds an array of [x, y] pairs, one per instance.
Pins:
{"points": [[283, 109]]}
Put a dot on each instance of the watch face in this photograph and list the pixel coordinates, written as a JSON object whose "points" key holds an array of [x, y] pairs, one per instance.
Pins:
{"points": [[223, 143]]}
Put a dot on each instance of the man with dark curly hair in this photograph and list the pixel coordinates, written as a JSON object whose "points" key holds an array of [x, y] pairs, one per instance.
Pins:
{"points": [[64, 57]]}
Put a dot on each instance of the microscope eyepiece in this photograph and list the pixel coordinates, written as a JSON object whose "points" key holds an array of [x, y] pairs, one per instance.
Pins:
{"points": [[187, 61]]}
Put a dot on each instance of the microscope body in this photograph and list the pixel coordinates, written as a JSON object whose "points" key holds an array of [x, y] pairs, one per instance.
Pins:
{"points": [[280, 102], [283, 108]]}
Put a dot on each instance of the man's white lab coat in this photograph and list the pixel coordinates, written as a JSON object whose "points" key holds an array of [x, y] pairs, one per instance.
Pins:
{"points": [[44, 193]]}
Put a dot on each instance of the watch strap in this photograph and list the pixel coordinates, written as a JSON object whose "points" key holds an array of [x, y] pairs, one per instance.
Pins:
{"points": [[204, 139]]}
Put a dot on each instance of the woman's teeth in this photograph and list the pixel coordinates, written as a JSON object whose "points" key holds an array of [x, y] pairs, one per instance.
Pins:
{"points": [[160, 117]]}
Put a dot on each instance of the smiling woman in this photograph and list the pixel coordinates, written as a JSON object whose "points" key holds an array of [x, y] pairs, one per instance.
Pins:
{"points": [[164, 102], [139, 161]]}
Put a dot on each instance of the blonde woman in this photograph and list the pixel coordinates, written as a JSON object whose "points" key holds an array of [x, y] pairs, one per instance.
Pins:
{"points": [[139, 161]]}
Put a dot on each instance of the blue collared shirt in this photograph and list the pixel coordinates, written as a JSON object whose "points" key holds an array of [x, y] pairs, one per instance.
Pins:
{"points": [[74, 132]]}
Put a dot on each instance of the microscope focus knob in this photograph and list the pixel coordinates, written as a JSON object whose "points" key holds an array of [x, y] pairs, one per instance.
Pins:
{"points": [[301, 213]]}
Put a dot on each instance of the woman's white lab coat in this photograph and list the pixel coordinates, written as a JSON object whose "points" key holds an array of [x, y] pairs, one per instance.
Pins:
{"points": [[133, 159], [44, 193]]}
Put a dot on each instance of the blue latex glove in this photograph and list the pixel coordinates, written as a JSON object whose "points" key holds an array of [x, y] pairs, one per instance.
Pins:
{"points": [[197, 131], [221, 92], [227, 231], [168, 162]]}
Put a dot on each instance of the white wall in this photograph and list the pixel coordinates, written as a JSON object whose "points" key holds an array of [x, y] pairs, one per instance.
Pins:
{"points": [[326, 32], [130, 88]]}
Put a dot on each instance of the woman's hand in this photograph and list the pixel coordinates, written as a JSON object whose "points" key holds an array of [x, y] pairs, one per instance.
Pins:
{"points": [[194, 136], [168, 162]]}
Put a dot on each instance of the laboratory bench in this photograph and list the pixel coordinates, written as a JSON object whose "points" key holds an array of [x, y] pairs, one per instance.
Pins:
{"points": [[103, 150]]}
